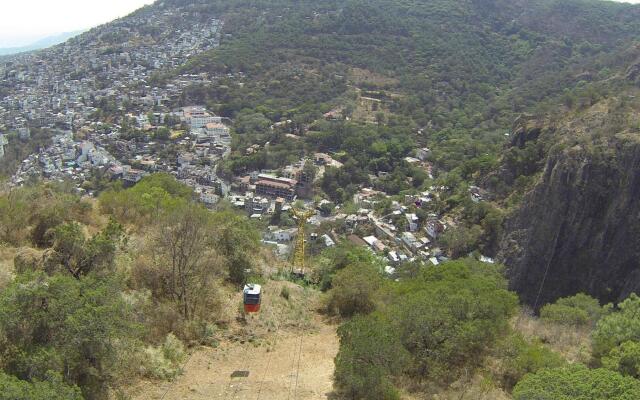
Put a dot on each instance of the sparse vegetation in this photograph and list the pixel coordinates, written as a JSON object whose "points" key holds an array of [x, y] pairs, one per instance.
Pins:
{"points": [[164, 362], [112, 295]]}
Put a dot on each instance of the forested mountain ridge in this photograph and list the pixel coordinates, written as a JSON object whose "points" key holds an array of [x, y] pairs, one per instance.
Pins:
{"points": [[454, 75], [460, 72]]}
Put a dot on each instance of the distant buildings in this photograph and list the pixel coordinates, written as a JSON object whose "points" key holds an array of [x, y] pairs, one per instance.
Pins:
{"points": [[214, 129], [3, 142], [366, 197], [434, 228]]}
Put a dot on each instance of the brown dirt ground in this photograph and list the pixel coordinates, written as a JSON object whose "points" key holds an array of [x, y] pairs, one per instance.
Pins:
{"points": [[289, 355], [272, 371]]}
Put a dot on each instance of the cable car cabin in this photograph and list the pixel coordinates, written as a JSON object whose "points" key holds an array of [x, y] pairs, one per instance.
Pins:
{"points": [[252, 298]]}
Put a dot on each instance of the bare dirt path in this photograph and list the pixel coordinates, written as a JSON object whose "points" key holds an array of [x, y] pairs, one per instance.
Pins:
{"points": [[271, 371], [286, 364]]}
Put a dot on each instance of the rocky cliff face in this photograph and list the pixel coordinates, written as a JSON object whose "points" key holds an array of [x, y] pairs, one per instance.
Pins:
{"points": [[578, 230]]}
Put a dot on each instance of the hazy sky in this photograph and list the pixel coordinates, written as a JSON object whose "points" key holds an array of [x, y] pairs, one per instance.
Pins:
{"points": [[24, 21]]}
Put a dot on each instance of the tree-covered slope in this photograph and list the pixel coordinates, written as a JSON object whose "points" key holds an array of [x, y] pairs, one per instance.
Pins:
{"points": [[459, 70]]}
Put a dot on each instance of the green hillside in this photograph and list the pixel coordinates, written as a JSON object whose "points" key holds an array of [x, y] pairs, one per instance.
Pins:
{"points": [[451, 75]]}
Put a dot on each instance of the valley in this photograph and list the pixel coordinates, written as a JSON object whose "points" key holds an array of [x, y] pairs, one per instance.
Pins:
{"points": [[439, 199]]}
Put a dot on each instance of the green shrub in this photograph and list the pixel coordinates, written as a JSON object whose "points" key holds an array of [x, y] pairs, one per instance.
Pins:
{"points": [[564, 315], [576, 382], [284, 293], [578, 310], [624, 359], [354, 289], [431, 327], [53, 388], [450, 316], [370, 354], [520, 357], [618, 327], [339, 257], [164, 362], [69, 326]]}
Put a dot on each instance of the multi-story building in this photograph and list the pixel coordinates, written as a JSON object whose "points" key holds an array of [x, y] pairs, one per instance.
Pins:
{"points": [[198, 117], [216, 129], [272, 186]]}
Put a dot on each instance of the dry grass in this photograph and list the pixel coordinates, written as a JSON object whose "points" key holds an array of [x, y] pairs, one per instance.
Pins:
{"points": [[367, 108], [276, 313], [360, 76], [475, 388], [573, 343], [471, 387], [284, 338], [7, 254]]}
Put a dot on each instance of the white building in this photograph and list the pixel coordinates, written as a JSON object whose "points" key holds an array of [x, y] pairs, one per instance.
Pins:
{"points": [[411, 242], [412, 220], [3, 142], [86, 147], [328, 242], [201, 120], [423, 153], [434, 228], [281, 235], [209, 197]]}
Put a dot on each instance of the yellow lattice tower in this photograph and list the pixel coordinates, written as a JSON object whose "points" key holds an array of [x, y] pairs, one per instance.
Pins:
{"points": [[299, 255]]}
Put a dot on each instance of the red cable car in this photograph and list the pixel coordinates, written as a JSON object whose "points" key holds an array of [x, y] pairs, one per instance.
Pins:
{"points": [[252, 295]]}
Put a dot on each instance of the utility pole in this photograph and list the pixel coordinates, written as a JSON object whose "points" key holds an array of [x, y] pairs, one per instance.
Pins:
{"points": [[299, 256]]}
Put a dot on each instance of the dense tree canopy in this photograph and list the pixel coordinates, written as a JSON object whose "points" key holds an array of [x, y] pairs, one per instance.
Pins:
{"points": [[71, 327], [445, 320], [577, 383], [12, 388]]}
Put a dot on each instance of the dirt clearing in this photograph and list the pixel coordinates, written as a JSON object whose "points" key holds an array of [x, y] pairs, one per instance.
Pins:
{"points": [[273, 371], [287, 362]]}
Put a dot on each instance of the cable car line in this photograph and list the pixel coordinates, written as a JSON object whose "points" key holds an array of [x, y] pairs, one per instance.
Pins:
{"points": [[174, 382], [290, 377], [294, 349], [544, 279], [251, 299], [295, 391], [264, 376], [546, 271], [244, 367], [297, 356]]}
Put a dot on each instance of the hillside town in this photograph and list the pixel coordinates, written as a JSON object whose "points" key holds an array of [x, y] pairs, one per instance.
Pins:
{"points": [[66, 90], [108, 68]]}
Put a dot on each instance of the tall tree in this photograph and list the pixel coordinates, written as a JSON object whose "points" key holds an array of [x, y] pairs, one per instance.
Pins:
{"points": [[184, 245]]}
